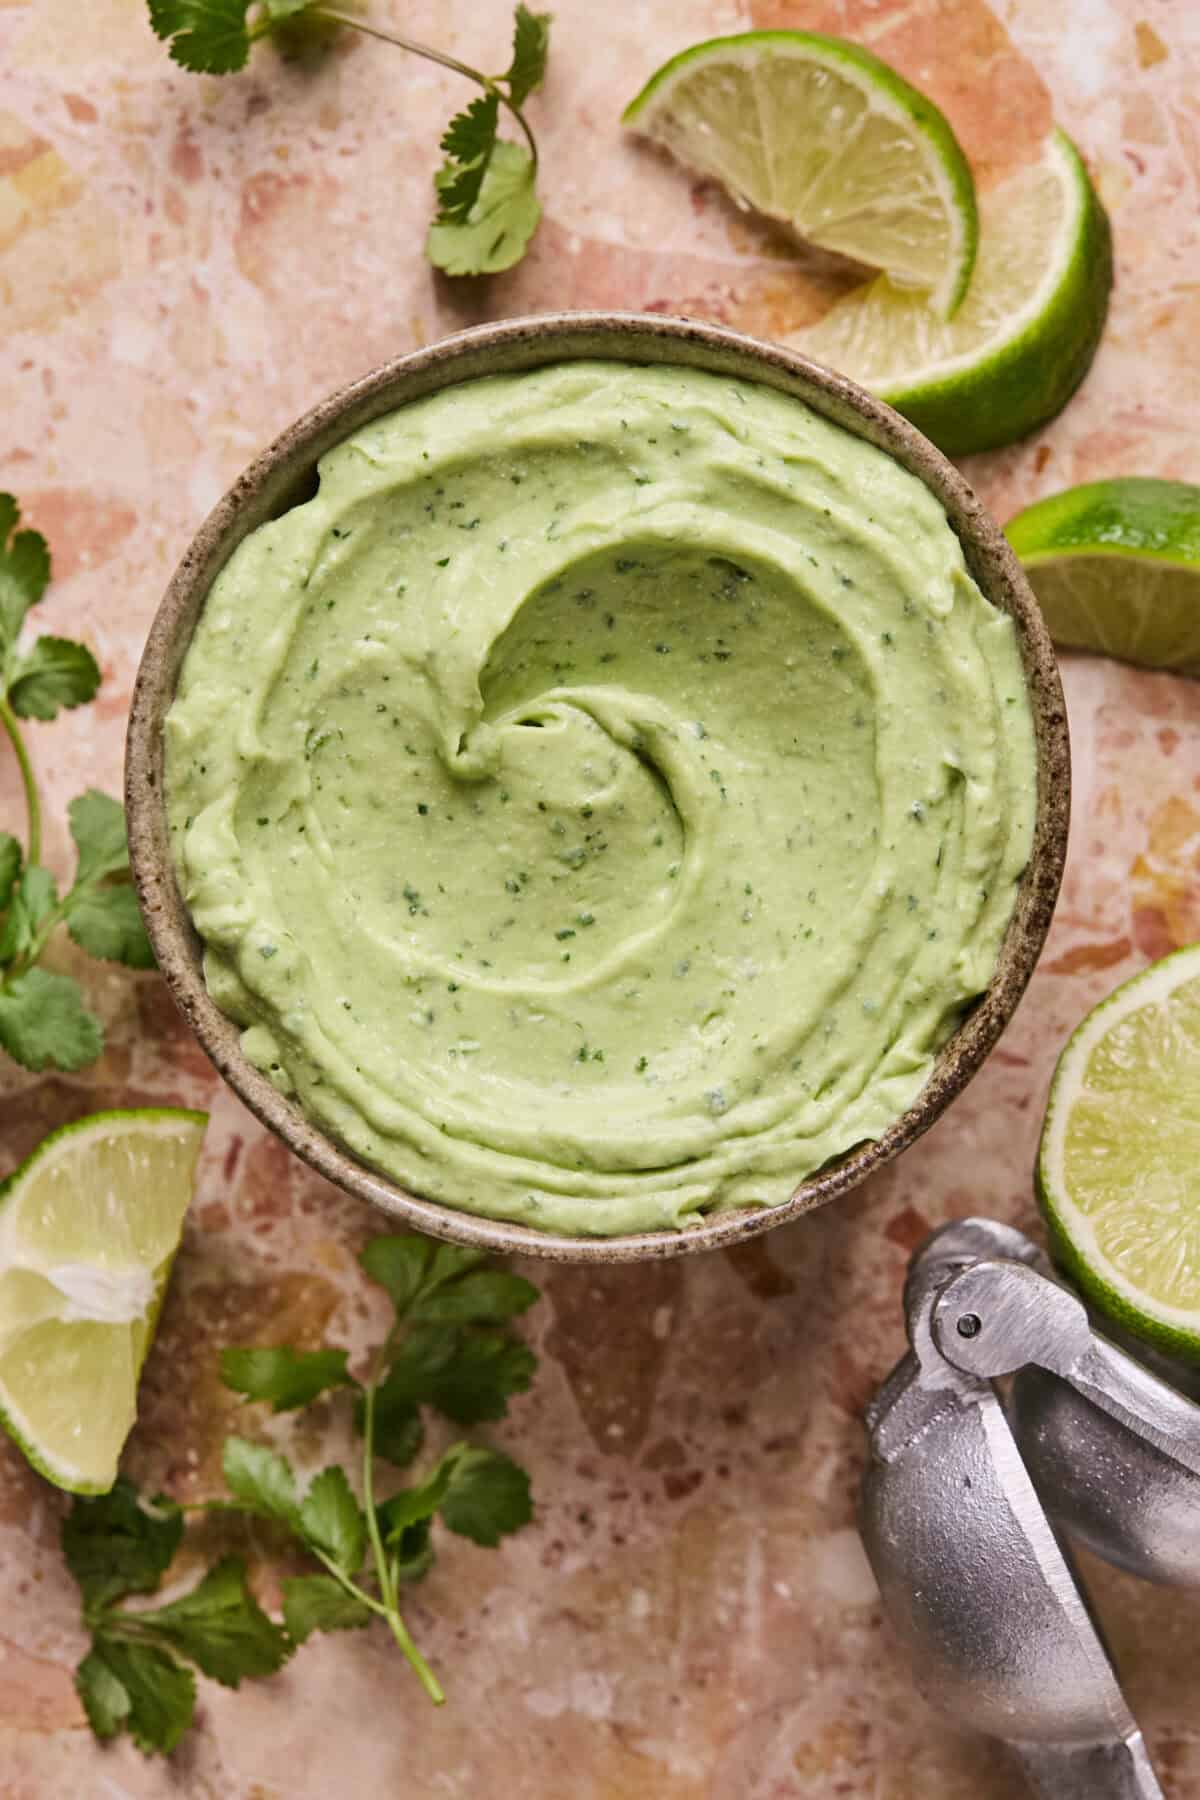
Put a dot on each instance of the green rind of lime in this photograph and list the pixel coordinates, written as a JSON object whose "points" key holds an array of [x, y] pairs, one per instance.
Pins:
{"points": [[1026, 334], [1116, 567], [1117, 1172], [875, 207], [89, 1227]]}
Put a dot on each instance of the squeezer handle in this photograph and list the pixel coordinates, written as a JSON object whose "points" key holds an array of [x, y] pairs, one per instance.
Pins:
{"points": [[1117, 1771]]}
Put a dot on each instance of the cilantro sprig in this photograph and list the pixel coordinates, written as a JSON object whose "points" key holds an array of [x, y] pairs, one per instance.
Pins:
{"points": [[449, 1350], [487, 186], [44, 1022]]}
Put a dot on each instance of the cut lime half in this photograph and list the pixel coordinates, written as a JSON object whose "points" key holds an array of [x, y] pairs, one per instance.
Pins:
{"points": [[1022, 340], [1119, 1164], [89, 1226], [822, 135], [1116, 566]]}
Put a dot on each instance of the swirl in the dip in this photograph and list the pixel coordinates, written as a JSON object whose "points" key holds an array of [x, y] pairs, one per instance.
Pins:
{"points": [[600, 801]]}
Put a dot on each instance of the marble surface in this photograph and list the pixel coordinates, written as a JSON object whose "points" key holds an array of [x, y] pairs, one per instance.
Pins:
{"points": [[185, 264]]}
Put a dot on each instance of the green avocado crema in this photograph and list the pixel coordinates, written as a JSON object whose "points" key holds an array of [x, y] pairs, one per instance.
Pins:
{"points": [[599, 802]]}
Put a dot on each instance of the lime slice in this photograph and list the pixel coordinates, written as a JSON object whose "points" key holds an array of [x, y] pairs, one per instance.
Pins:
{"points": [[89, 1226], [1022, 340], [1116, 566], [1119, 1164], [822, 135]]}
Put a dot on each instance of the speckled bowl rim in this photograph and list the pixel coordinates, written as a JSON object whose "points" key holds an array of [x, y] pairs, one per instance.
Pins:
{"points": [[284, 473]]}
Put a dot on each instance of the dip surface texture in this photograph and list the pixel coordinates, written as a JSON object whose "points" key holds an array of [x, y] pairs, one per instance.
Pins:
{"points": [[599, 802]]}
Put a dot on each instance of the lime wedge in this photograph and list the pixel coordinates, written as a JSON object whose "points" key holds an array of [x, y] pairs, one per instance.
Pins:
{"points": [[1118, 1166], [1022, 340], [89, 1227], [824, 136], [1116, 566]]}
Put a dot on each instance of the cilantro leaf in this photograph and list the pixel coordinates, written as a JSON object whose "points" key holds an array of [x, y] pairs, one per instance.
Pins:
{"points": [[493, 233], [412, 1553], [279, 10], [476, 1383], [531, 41], [399, 1265], [33, 900], [116, 1544], [471, 132], [411, 1505], [448, 1262], [487, 1495], [98, 828], [262, 1480], [331, 1518], [105, 1699], [24, 573], [481, 1494], [159, 1693], [466, 1374], [55, 672], [442, 1282], [319, 1603], [105, 922], [44, 1023], [469, 142], [221, 1627], [410, 1547], [209, 36], [483, 1297], [399, 1432], [287, 1378], [38, 894], [10, 868], [417, 1366], [409, 1266]]}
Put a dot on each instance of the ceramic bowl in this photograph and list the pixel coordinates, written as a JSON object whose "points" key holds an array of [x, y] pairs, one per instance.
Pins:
{"points": [[285, 474]]}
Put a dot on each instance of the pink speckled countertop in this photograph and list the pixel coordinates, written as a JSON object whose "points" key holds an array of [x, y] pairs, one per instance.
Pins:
{"points": [[185, 264]]}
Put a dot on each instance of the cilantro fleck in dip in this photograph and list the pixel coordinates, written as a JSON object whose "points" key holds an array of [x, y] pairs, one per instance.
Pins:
{"points": [[599, 802]]}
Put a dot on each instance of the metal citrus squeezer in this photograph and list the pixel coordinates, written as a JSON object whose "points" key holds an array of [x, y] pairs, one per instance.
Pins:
{"points": [[967, 1493]]}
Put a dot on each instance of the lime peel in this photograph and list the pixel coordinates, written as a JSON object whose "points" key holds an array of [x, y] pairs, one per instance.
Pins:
{"points": [[1025, 335]]}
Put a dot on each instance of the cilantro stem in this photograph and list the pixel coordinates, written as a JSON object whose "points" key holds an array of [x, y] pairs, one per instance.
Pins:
{"points": [[219, 1506], [134, 1628], [343, 1580], [385, 1574], [368, 1480], [425, 1674], [45, 932], [488, 83], [33, 806]]}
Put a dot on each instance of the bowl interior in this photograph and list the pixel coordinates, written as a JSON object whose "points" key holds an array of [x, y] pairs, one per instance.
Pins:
{"points": [[285, 474]]}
